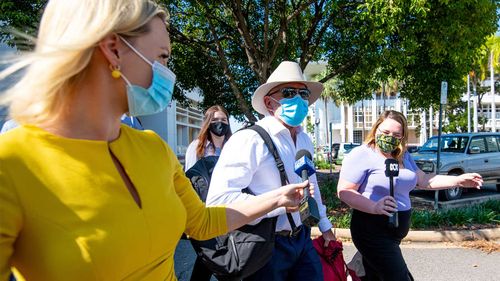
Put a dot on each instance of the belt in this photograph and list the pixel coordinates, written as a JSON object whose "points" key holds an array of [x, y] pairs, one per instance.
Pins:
{"points": [[289, 233]]}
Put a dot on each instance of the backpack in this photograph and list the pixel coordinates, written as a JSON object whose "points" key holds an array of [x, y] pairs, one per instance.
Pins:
{"points": [[332, 261], [241, 252], [200, 174]]}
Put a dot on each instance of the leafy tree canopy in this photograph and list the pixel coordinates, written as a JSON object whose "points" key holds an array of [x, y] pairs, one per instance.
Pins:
{"points": [[228, 48], [20, 16], [419, 43]]}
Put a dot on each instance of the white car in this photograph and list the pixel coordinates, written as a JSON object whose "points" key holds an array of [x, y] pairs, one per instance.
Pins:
{"points": [[462, 153], [341, 149]]}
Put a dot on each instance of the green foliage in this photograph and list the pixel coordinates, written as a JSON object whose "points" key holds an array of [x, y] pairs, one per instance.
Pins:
{"points": [[21, 16], [452, 33], [456, 113], [364, 43], [486, 213], [456, 117], [493, 205], [309, 125], [342, 221], [480, 71], [491, 47], [329, 193], [322, 164], [226, 49], [332, 202]]}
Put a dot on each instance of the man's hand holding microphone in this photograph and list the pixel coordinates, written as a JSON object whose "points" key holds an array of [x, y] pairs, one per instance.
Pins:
{"points": [[308, 208], [304, 167]]}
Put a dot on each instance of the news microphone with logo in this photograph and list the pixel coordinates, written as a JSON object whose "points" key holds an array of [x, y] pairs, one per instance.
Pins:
{"points": [[391, 171], [304, 167]]}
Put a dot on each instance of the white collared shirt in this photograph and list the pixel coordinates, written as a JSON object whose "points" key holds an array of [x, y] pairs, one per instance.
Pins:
{"points": [[191, 158], [245, 161]]}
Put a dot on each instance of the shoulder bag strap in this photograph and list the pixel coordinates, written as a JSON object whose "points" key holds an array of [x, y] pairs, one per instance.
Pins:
{"points": [[279, 163]]}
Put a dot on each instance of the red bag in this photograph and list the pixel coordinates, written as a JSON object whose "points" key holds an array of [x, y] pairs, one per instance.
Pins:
{"points": [[332, 261]]}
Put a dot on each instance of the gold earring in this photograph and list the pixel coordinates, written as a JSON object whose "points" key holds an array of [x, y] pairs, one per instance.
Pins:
{"points": [[115, 71]]}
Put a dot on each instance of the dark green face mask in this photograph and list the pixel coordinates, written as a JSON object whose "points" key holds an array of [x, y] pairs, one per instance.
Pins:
{"points": [[386, 143]]}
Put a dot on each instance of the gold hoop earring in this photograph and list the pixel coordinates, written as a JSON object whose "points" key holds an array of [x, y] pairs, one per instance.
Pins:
{"points": [[115, 71]]}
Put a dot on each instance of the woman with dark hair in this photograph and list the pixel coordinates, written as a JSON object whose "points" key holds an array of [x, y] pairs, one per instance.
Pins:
{"points": [[364, 186], [215, 131]]}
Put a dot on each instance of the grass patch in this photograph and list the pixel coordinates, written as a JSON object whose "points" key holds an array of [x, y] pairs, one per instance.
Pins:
{"points": [[485, 215], [478, 216], [329, 194], [338, 212], [322, 164]]}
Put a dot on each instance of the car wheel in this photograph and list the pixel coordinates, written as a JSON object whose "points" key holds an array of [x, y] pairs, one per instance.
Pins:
{"points": [[453, 193], [498, 186]]}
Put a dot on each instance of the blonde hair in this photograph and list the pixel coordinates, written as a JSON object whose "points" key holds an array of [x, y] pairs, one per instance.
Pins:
{"points": [[68, 35], [401, 119]]}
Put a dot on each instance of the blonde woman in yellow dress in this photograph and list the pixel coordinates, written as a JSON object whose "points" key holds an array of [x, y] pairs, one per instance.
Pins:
{"points": [[83, 197]]}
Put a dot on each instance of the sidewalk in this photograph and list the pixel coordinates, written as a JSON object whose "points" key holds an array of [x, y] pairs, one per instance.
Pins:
{"points": [[491, 234], [426, 261]]}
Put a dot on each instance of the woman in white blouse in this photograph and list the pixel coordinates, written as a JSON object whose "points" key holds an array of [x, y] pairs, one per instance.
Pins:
{"points": [[214, 133]]}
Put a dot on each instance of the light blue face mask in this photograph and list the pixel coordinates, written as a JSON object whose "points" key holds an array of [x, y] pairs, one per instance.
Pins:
{"points": [[293, 110], [157, 97]]}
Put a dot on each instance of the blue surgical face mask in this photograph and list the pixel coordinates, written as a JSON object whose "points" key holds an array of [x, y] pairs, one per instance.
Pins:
{"points": [[157, 97], [293, 110]]}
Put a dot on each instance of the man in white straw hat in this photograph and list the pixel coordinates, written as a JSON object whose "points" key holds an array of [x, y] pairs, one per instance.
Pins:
{"points": [[246, 162]]}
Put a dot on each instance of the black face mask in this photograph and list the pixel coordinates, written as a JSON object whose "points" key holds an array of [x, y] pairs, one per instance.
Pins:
{"points": [[219, 128]]}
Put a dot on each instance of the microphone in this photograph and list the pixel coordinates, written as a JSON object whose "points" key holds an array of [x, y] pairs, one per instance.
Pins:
{"points": [[308, 209], [391, 171]]}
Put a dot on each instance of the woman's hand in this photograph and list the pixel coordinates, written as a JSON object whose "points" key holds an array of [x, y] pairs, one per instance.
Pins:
{"points": [[385, 206], [291, 195], [471, 180]]}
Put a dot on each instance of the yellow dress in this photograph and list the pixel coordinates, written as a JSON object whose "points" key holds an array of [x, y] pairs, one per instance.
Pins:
{"points": [[66, 213]]}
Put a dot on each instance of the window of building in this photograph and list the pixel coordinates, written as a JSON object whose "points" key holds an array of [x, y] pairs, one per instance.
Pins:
{"points": [[358, 117], [387, 107], [486, 112], [368, 117], [412, 118], [189, 122], [357, 136]]}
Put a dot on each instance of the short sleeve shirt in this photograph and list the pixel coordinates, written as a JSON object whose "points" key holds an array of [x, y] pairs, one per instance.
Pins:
{"points": [[366, 167]]}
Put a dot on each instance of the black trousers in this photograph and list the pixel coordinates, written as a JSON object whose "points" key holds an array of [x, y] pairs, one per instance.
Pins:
{"points": [[379, 245]]}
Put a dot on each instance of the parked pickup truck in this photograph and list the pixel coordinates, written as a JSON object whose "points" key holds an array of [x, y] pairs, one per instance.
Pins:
{"points": [[340, 150], [462, 153]]}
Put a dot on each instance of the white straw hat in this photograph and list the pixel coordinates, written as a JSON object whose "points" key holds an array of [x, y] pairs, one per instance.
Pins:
{"points": [[286, 72]]}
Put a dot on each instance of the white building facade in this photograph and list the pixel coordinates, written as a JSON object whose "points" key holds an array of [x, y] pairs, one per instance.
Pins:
{"points": [[336, 123], [352, 122], [177, 125]]}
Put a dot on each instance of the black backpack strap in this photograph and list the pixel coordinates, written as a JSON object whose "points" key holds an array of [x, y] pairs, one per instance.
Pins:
{"points": [[279, 163]]}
